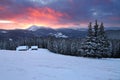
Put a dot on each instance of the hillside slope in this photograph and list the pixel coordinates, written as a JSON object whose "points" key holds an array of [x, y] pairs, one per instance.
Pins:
{"points": [[44, 65]]}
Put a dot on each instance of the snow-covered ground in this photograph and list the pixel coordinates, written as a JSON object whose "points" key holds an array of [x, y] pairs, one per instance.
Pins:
{"points": [[44, 65]]}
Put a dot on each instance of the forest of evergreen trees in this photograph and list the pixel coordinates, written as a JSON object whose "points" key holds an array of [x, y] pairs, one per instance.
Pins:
{"points": [[95, 44]]}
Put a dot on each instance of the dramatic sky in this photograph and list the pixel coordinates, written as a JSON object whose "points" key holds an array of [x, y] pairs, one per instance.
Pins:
{"points": [[58, 13]]}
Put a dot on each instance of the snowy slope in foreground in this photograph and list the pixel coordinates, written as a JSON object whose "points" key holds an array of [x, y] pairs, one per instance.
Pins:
{"points": [[44, 65]]}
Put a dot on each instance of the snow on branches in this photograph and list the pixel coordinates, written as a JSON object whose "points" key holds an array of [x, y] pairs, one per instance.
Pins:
{"points": [[96, 43]]}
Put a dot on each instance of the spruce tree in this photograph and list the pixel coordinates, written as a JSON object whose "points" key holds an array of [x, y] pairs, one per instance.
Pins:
{"points": [[90, 32], [104, 42], [101, 31], [96, 43], [87, 46], [96, 29]]}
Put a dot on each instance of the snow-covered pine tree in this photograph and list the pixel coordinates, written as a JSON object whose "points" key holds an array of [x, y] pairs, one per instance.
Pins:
{"points": [[96, 43], [96, 29], [96, 40], [87, 45], [105, 45]]}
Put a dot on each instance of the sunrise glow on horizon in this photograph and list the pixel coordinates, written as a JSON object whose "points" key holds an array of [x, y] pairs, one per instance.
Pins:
{"points": [[21, 14]]}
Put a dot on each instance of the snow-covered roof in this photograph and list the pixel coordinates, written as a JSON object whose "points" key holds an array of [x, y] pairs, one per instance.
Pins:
{"points": [[34, 46], [21, 47]]}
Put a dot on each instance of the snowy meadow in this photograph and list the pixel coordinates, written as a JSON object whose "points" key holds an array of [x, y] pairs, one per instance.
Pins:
{"points": [[45, 65]]}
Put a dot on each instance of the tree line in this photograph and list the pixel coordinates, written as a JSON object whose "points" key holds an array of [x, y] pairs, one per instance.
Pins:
{"points": [[66, 46]]}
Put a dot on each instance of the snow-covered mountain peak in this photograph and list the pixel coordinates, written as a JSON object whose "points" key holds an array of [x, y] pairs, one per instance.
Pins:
{"points": [[3, 31], [34, 28], [60, 35]]}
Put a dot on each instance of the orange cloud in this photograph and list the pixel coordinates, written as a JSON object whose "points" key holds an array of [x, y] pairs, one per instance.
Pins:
{"points": [[45, 15], [36, 16]]}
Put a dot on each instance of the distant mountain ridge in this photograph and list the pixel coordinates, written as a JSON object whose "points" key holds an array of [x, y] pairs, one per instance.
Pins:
{"points": [[41, 31]]}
